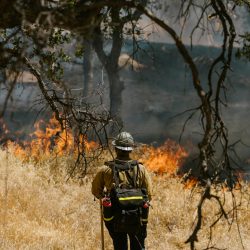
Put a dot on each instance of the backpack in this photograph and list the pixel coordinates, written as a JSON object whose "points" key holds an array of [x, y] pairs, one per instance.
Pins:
{"points": [[127, 200]]}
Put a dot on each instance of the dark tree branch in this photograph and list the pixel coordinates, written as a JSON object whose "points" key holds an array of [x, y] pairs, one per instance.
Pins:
{"points": [[44, 91]]}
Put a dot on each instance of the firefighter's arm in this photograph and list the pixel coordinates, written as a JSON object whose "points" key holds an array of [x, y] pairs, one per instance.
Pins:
{"points": [[98, 184]]}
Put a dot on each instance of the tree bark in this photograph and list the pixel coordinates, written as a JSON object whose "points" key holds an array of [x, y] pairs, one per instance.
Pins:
{"points": [[87, 68], [116, 87]]}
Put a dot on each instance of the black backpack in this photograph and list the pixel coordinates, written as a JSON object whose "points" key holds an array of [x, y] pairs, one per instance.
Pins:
{"points": [[127, 200]]}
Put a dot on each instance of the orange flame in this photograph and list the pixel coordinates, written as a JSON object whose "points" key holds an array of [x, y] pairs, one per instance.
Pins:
{"points": [[164, 159], [47, 140], [190, 183], [52, 139]]}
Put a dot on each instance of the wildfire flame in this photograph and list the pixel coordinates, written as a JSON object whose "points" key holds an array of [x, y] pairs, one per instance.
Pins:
{"points": [[48, 139], [190, 183], [164, 159]]}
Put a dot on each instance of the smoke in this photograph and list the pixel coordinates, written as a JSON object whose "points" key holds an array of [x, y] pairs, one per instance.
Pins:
{"points": [[209, 32]]}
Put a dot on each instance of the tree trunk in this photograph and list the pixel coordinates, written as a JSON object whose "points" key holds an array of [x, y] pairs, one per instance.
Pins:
{"points": [[110, 62], [116, 88], [87, 68]]}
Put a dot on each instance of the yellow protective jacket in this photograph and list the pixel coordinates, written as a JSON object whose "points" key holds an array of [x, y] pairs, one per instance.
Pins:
{"points": [[105, 179]]}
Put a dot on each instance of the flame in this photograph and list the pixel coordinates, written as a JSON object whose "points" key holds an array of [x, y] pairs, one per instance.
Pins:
{"points": [[49, 140], [190, 183], [164, 159]]}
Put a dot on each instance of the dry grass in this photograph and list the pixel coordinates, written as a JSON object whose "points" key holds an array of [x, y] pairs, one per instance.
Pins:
{"points": [[39, 210]]}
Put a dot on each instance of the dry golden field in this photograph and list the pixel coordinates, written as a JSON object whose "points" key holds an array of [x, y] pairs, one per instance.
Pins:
{"points": [[40, 210]]}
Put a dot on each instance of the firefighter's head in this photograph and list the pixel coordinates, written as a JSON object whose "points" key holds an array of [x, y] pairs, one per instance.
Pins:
{"points": [[124, 142]]}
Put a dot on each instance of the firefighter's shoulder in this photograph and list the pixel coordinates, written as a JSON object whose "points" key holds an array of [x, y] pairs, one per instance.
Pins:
{"points": [[104, 169]]}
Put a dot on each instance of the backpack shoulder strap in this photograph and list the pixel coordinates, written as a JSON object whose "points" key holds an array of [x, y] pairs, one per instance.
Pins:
{"points": [[133, 178], [117, 166]]}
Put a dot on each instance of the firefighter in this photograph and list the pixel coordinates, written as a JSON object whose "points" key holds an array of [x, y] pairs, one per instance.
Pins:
{"points": [[130, 173]]}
